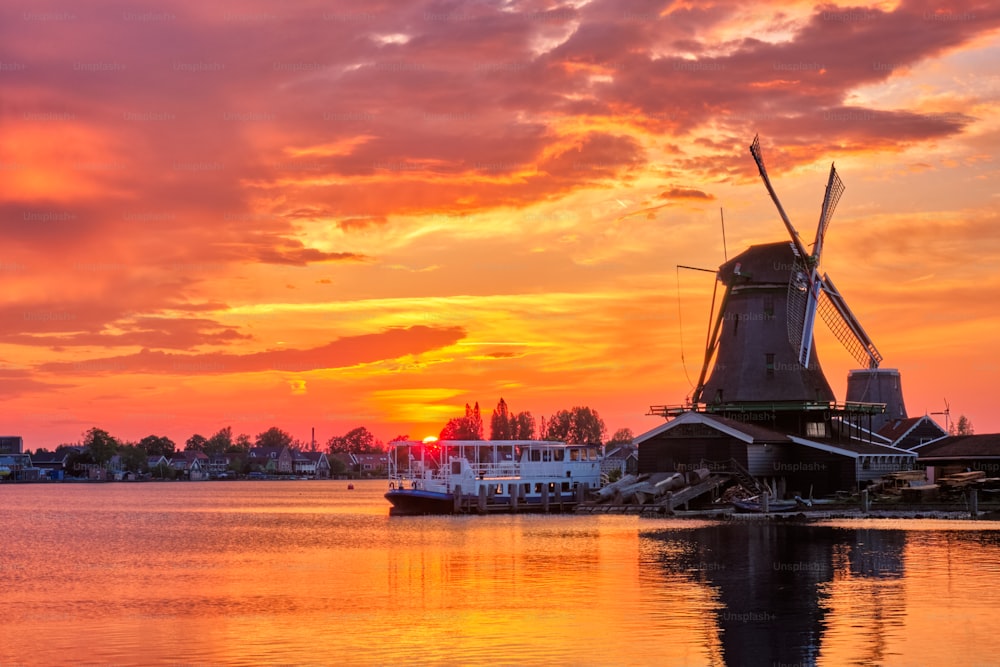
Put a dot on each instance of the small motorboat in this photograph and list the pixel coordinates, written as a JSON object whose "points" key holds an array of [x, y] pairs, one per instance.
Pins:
{"points": [[756, 505]]}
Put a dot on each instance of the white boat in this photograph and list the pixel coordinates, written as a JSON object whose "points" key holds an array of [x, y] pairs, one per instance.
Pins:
{"points": [[457, 476]]}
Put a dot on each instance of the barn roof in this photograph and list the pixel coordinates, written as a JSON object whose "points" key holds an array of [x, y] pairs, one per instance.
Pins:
{"points": [[986, 445]]}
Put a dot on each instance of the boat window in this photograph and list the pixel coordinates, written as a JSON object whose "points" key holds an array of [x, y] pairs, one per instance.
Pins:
{"points": [[547, 455], [538, 487], [552, 487], [559, 454], [499, 490], [574, 455], [456, 467], [565, 486], [536, 455]]}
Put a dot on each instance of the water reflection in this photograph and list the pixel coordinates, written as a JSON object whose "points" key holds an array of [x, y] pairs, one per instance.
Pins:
{"points": [[773, 583], [293, 573]]}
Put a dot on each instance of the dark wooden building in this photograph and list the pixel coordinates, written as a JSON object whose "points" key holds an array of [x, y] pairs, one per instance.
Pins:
{"points": [[911, 432], [957, 453], [823, 462]]}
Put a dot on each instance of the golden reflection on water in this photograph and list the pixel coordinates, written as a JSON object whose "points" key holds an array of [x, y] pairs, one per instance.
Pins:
{"points": [[310, 573]]}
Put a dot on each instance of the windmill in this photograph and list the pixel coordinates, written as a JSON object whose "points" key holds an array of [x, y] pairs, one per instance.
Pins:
{"points": [[757, 359], [947, 416]]}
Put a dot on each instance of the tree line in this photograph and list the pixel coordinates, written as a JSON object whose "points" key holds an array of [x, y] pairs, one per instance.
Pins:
{"points": [[98, 447]]}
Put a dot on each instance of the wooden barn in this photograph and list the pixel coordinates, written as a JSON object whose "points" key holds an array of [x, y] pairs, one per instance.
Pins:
{"points": [[790, 464]]}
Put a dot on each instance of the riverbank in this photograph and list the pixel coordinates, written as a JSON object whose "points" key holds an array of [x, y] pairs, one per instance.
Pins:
{"points": [[991, 513]]}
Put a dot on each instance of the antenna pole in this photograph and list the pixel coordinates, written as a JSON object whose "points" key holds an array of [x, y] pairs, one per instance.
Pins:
{"points": [[725, 252]]}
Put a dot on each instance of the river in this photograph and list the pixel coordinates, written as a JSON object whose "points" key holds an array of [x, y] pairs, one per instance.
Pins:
{"points": [[310, 572]]}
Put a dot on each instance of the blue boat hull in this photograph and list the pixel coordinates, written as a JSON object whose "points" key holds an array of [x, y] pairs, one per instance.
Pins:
{"points": [[413, 502]]}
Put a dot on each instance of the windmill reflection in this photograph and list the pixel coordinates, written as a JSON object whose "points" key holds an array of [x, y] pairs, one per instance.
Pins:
{"points": [[780, 588]]}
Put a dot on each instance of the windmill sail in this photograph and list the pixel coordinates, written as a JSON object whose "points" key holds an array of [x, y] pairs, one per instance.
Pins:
{"points": [[846, 327], [834, 188], [798, 287], [758, 157], [800, 332]]}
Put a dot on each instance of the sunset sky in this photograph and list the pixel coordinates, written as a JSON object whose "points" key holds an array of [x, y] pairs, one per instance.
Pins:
{"points": [[335, 214]]}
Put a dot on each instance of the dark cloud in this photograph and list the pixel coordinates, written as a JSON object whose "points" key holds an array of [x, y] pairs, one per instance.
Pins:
{"points": [[348, 351], [685, 193]]}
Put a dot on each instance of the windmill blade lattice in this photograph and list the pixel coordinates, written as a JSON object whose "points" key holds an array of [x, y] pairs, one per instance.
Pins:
{"points": [[834, 188], [797, 295], [846, 327]]}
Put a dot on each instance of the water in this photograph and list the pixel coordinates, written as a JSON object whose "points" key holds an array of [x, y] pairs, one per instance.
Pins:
{"points": [[241, 573]]}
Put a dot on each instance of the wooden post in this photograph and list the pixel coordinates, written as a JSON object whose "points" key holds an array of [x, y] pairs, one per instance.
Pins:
{"points": [[764, 503], [581, 493], [865, 502], [515, 492], [458, 499], [545, 497], [482, 499], [974, 503]]}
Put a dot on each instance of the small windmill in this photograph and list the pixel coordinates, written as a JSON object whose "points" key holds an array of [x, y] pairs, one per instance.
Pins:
{"points": [[769, 285], [947, 416]]}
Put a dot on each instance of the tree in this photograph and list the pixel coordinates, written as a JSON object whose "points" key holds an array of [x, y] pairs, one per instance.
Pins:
{"points": [[220, 442], [158, 445], [622, 436], [401, 438], [522, 426], [77, 461], [242, 443], [356, 441], [476, 421], [133, 457], [273, 437], [963, 426], [337, 467], [500, 422], [196, 443], [580, 425], [469, 427], [101, 445]]}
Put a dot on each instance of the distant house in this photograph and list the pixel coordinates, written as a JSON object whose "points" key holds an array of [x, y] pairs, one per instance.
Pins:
{"points": [[157, 465], [321, 464], [51, 464], [273, 460], [957, 453], [347, 462], [310, 464], [11, 444], [371, 464], [218, 464], [192, 464], [301, 464], [624, 459], [17, 468]]}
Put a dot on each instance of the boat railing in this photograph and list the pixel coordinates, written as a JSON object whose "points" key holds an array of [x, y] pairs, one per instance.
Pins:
{"points": [[492, 470]]}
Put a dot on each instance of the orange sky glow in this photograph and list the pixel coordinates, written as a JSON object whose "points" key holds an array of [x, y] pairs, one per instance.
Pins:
{"points": [[369, 213]]}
